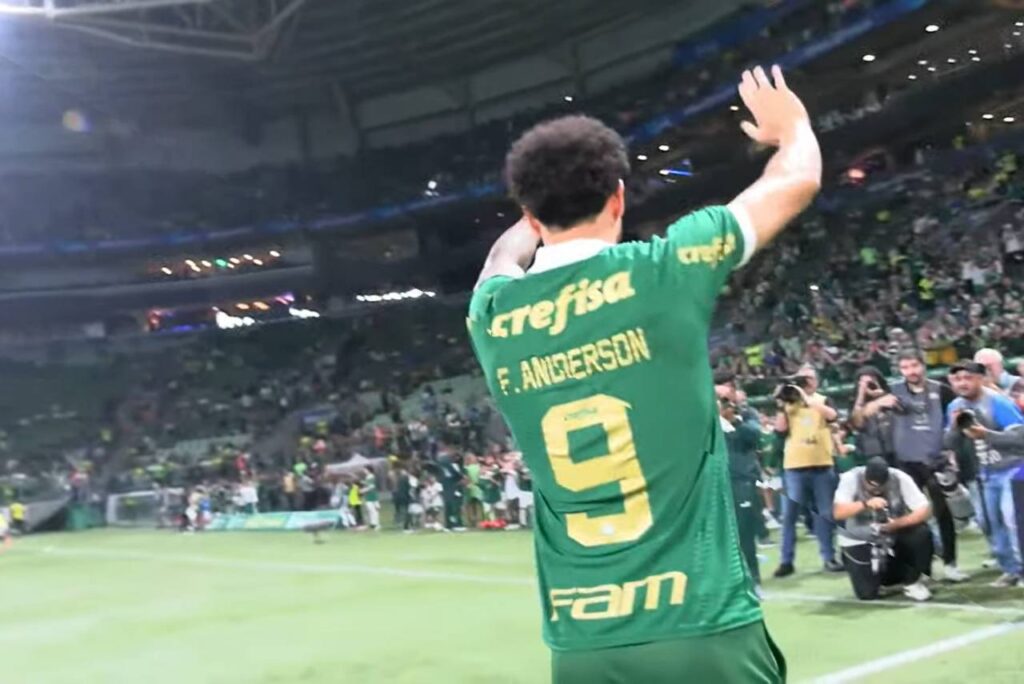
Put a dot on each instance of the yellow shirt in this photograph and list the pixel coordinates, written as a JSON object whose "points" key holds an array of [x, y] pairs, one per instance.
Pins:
{"points": [[809, 442], [17, 511]]}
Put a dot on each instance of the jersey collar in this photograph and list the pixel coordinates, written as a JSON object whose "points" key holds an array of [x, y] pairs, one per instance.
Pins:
{"points": [[565, 253]]}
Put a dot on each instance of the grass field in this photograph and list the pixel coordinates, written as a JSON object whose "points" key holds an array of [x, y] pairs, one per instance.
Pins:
{"points": [[123, 606]]}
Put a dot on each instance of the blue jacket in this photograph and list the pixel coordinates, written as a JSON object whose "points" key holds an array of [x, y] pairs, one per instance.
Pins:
{"points": [[1002, 447]]}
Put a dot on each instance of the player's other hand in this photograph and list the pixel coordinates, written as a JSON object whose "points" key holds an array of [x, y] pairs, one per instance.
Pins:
{"points": [[777, 111]]}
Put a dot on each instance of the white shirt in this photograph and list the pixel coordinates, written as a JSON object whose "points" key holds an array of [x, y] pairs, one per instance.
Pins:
{"points": [[847, 491]]}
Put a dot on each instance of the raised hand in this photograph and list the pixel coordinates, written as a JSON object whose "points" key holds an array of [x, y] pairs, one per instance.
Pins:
{"points": [[777, 110]]}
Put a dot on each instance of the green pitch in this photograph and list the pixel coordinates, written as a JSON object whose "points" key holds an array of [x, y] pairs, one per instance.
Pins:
{"points": [[262, 608]]}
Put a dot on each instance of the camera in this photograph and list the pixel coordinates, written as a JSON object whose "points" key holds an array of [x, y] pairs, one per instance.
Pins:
{"points": [[791, 391], [966, 420]]}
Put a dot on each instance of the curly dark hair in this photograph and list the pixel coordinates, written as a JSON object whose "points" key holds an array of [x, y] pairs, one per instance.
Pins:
{"points": [[564, 170]]}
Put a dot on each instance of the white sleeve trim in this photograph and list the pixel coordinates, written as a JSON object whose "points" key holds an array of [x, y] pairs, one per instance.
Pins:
{"points": [[739, 212]]}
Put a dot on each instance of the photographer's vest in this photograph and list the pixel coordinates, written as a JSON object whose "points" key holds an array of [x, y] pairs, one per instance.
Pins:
{"points": [[809, 441], [917, 429], [859, 526]]}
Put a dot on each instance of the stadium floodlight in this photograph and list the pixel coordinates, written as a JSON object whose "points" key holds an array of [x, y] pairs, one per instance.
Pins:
{"points": [[167, 271], [972, 52], [951, 60], [206, 264], [242, 305], [664, 172], [975, 59], [568, 98], [869, 57], [247, 257], [912, 77], [257, 262], [988, 117], [235, 260], [641, 157], [922, 62], [664, 148], [931, 28], [1016, 34], [1009, 119], [431, 184], [932, 69], [274, 253], [734, 108]]}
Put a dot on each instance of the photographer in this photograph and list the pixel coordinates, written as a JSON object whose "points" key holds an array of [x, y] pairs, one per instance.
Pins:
{"points": [[808, 465], [917, 421], [885, 539], [871, 416], [986, 431], [742, 438]]}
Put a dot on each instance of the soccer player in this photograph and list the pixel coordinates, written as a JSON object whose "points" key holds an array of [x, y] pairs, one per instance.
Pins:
{"points": [[598, 359], [5, 534]]}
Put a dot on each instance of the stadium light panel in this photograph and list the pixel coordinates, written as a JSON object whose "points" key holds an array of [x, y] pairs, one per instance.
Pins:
{"points": [[1009, 119], [869, 57], [221, 263], [274, 253], [167, 271], [912, 77], [641, 157], [235, 260], [1016, 34], [432, 184], [931, 28], [664, 172], [922, 62], [975, 59], [734, 108], [207, 264], [1019, 24], [988, 117], [258, 262], [568, 98], [242, 305], [972, 52], [951, 60], [932, 69], [247, 257], [663, 148]]}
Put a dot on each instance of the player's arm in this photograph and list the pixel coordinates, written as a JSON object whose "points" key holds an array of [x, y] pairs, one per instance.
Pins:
{"points": [[793, 175], [512, 253]]}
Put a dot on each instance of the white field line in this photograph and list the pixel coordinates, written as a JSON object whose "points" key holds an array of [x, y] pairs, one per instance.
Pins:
{"points": [[412, 573], [873, 667]]}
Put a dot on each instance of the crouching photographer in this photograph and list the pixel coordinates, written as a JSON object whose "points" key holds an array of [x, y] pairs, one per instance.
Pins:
{"points": [[885, 540]]}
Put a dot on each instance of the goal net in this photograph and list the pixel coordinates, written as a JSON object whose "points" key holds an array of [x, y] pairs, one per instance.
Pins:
{"points": [[154, 508]]}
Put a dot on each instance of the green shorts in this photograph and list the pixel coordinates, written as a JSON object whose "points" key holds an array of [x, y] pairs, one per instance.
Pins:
{"points": [[746, 655]]}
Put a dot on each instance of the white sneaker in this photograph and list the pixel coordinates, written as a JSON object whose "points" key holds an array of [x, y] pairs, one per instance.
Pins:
{"points": [[917, 591], [1005, 581], [989, 563], [770, 522], [951, 573]]}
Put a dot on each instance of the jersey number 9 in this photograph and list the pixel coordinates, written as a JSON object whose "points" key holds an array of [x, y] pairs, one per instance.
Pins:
{"points": [[619, 465]]}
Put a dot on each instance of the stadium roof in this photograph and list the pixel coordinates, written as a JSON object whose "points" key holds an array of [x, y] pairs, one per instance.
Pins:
{"points": [[195, 57]]}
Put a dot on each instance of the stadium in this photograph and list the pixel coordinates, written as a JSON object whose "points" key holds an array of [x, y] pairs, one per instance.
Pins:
{"points": [[567, 341]]}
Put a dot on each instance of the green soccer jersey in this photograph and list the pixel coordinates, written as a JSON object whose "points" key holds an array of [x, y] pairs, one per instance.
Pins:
{"points": [[601, 370]]}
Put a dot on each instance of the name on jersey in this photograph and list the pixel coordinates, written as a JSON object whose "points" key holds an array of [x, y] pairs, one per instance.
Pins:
{"points": [[607, 601], [621, 350], [581, 298], [711, 254]]}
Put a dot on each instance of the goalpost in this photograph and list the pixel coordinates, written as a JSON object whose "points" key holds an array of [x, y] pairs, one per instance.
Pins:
{"points": [[151, 508]]}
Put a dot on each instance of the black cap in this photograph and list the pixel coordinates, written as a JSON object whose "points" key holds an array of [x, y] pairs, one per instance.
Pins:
{"points": [[724, 377], [876, 470], [972, 367]]}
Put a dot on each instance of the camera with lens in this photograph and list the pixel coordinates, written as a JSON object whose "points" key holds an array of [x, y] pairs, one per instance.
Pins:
{"points": [[966, 419], [791, 392]]}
